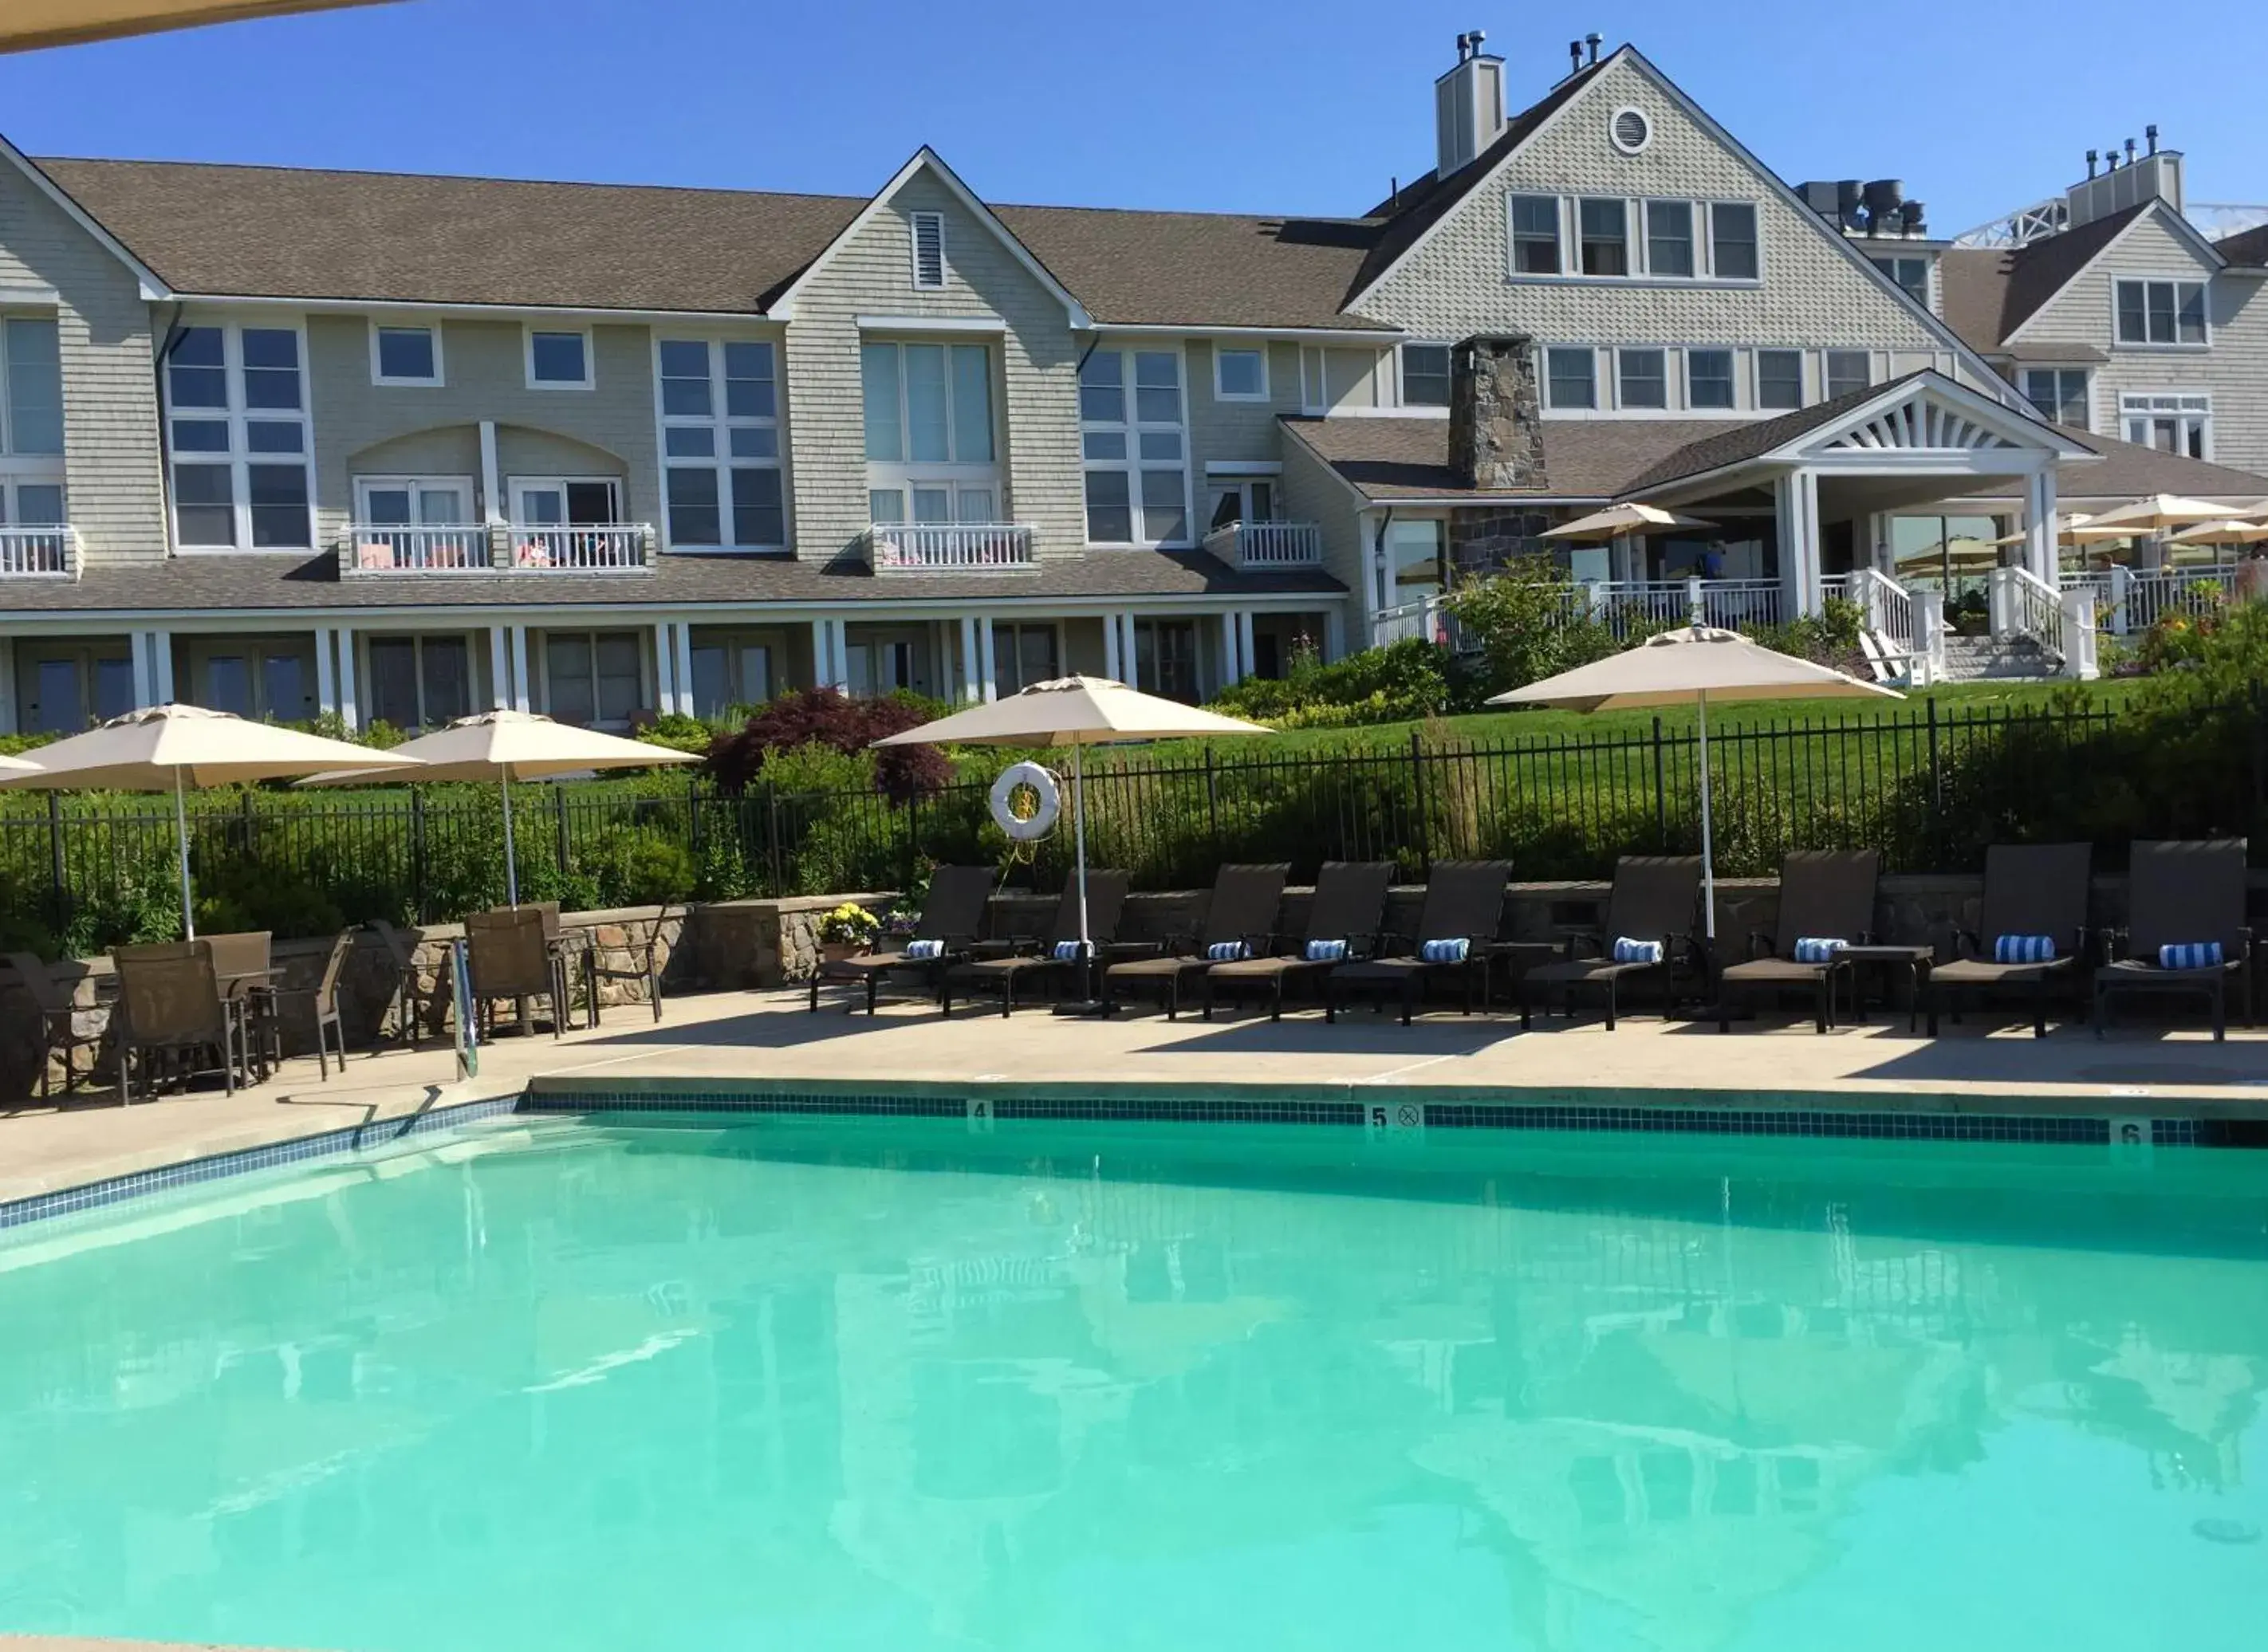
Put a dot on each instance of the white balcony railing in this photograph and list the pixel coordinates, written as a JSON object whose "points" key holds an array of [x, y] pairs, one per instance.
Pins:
{"points": [[1410, 620], [616, 547], [1263, 545], [374, 549], [955, 548], [1635, 607], [39, 553]]}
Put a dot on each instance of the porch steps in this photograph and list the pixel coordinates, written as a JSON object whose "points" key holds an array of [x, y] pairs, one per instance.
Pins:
{"points": [[1972, 659]]}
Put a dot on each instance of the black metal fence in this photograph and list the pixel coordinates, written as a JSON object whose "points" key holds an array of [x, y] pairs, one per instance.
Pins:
{"points": [[1929, 787]]}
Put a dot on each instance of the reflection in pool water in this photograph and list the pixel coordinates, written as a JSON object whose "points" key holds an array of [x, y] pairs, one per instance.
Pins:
{"points": [[847, 1383]]}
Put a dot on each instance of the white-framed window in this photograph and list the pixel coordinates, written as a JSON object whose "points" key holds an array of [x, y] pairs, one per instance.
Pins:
{"points": [[719, 406], [1709, 382], [2164, 313], [1132, 412], [1779, 380], [932, 453], [1848, 371], [1642, 378], [1239, 373], [417, 682], [405, 353], [254, 677], [236, 424], [1603, 231], [594, 678], [2058, 393], [1535, 235], [1240, 499], [1669, 238], [1024, 654], [730, 668], [2171, 421], [1912, 275], [1734, 251], [559, 502], [559, 358], [63, 686], [31, 387], [928, 237], [414, 502], [1571, 376], [1424, 375]]}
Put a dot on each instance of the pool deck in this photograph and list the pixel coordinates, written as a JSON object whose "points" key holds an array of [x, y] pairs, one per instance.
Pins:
{"points": [[719, 1040]]}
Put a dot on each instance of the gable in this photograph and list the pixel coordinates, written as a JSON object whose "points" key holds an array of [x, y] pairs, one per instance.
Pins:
{"points": [[2153, 242], [48, 240]]}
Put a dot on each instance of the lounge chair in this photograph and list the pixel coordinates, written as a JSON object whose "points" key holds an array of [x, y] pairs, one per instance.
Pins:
{"points": [[1654, 901], [170, 1004], [508, 955], [1342, 925], [1824, 896], [1464, 902], [2033, 893], [1242, 913], [67, 1026], [951, 918], [2181, 895], [1034, 961]]}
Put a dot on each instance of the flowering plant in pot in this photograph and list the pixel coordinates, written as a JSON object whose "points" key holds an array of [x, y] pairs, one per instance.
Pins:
{"points": [[847, 930]]}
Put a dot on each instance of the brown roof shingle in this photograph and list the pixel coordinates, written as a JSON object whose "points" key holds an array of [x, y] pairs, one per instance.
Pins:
{"points": [[1409, 458], [1989, 292], [2248, 247]]}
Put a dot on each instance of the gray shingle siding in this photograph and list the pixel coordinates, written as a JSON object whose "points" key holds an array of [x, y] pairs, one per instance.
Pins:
{"points": [[1313, 492], [111, 470]]}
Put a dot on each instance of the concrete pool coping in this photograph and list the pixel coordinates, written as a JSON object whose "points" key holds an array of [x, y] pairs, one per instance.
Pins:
{"points": [[737, 1044]]}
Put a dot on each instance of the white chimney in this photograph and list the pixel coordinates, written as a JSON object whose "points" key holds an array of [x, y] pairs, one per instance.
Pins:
{"points": [[2130, 179], [1468, 106]]}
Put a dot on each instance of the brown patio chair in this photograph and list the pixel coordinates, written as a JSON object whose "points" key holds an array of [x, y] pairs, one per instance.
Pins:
{"points": [[1655, 897], [1240, 913], [1464, 902], [952, 918], [410, 1001], [243, 963], [170, 1005], [1825, 895], [66, 1026], [509, 957], [2031, 889], [1348, 909], [1049, 962], [2180, 894], [643, 966], [322, 1000]]}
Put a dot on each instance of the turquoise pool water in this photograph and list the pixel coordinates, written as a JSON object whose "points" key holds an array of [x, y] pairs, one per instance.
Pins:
{"points": [[812, 1384]]}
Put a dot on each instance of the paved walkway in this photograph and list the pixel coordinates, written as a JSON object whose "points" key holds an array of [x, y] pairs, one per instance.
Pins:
{"points": [[738, 1036]]}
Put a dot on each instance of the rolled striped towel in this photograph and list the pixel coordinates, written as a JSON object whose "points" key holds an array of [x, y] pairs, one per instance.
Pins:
{"points": [[1819, 949], [1327, 952], [2023, 949], [922, 950], [1454, 951], [1630, 952], [1071, 951], [1227, 952], [2189, 955]]}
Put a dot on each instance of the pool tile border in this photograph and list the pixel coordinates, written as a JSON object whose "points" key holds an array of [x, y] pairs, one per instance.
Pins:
{"points": [[215, 1167]]}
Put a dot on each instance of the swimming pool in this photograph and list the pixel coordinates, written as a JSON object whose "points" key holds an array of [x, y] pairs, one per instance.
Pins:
{"points": [[676, 1382]]}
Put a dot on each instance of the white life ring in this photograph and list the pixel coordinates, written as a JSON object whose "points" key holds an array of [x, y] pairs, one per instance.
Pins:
{"points": [[1045, 790]]}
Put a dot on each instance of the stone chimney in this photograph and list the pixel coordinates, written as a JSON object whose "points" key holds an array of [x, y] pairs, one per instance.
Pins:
{"points": [[1496, 438]]}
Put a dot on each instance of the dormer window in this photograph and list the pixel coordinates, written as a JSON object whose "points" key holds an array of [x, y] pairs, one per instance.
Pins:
{"points": [[929, 249], [2162, 313]]}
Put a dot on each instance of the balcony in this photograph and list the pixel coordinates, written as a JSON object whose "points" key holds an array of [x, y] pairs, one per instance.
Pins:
{"points": [[516, 547], [1263, 546], [39, 553], [957, 547]]}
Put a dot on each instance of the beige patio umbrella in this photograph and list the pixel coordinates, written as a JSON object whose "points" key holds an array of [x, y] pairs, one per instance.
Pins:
{"points": [[16, 765], [1077, 712], [1691, 666], [2158, 513], [1624, 521], [508, 745], [169, 748], [2222, 533], [27, 24], [2068, 527]]}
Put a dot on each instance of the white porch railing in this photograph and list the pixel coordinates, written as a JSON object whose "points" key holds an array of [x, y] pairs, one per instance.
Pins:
{"points": [[1409, 620], [614, 548], [959, 547], [1634, 607], [1908, 639], [2021, 603], [1730, 603], [1267, 545], [373, 549], [2135, 600], [39, 553]]}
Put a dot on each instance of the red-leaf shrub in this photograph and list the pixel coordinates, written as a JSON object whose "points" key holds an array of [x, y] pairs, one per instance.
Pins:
{"points": [[822, 716]]}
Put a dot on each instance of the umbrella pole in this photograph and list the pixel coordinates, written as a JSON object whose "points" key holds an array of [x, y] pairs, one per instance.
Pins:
{"points": [[1078, 842], [181, 843], [1708, 859], [510, 860]]}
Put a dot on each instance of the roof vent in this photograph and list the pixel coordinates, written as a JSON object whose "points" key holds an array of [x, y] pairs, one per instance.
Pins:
{"points": [[1468, 106], [1631, 130]]}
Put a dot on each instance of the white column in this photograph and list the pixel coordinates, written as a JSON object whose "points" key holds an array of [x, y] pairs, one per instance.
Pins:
{"points": [[1129, 656], [493, 504], [664, 667], [840, 652], [988, 677], [499, 669], [1334, 633], [971, 680], [1229, 674], [521, 699], [1110, 666], [681, 641], [327, 684], [161, 666], [1246, 654], [137, 651], [2040, 525], [7, 685], [350, 712]]}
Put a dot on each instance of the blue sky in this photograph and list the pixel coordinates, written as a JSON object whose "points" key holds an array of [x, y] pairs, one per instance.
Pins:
{"points": [[1980, 106]]}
